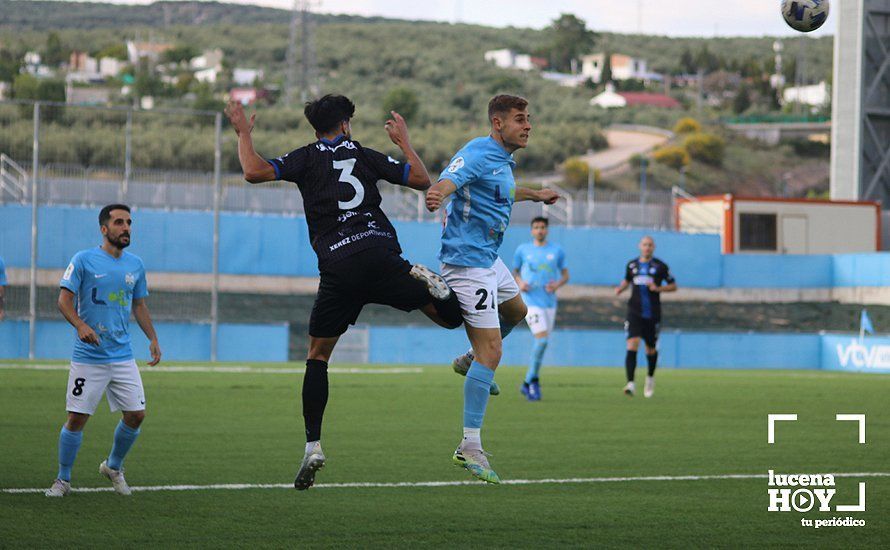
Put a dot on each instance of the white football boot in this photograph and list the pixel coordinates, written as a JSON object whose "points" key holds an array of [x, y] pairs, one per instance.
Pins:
{"points": [[313, 461], [649, 389], [629, 389], [116, 477], [434, 282], [60, 488]]}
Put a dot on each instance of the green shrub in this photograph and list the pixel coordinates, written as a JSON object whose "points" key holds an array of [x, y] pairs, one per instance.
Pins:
{"points": [[674, 156], [687, 126], [706, 148]]}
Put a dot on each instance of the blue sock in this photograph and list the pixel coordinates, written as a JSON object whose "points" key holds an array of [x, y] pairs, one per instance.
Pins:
{"points": [[534, 366], [124, 437], [69, 443], [476, 386]]}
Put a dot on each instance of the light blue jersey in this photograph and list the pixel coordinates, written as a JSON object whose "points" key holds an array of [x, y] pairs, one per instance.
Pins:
{"points": [[539, 265], [105, 288], [479, 211], [2, 273]]}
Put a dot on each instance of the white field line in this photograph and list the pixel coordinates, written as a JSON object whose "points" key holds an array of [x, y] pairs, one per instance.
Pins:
{"points": [[410, 484], [237, 369]]}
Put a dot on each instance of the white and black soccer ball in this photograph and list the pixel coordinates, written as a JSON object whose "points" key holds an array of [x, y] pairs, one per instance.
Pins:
{"points": [[805, 15]]}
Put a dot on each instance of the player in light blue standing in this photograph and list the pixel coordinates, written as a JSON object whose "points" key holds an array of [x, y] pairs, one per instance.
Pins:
{"points": [[539, 268], [100, 288], [480, 178]]}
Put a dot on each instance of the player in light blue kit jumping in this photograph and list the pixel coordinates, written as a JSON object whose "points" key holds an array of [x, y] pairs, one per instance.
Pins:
{"points": [[480, 178], [539, 268], [100, 288]]}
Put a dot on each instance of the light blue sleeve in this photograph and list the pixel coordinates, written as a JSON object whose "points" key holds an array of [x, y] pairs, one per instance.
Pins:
{"points": [[517, 258], [2, 273], [73, 274], [465, 167], [561, 259], [140, 290]]}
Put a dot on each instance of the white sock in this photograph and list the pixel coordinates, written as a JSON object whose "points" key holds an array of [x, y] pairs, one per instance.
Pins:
{"points": [[472, 438], [471, 354], [310, 446]]}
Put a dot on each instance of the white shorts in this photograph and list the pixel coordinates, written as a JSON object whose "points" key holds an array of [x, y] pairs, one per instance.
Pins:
{"points": [[480, 290], [541, 319], [119, 381]]}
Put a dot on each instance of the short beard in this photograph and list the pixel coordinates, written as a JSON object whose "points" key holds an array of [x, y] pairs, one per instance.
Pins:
{"points": [[118, 244]]}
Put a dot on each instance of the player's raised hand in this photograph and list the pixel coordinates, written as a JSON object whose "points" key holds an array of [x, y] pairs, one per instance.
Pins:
{"points": [[87, 335], [548, 196], [551, 287], [434, 199], [235, 113], [155, 351], [397, 129]]}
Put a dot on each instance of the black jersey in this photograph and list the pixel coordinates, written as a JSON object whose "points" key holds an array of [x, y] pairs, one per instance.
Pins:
{"points": [[643, 303], [338, 181]]}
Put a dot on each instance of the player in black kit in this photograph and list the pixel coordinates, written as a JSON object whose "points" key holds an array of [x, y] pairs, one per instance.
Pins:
{"points": [[359, 257], [649, 277]]}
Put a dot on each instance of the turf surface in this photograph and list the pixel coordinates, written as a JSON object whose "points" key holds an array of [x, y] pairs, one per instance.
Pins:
{"points": [[210, 427]]}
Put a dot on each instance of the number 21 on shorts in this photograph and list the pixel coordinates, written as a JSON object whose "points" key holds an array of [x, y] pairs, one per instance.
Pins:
{"points": [[483, 304]]}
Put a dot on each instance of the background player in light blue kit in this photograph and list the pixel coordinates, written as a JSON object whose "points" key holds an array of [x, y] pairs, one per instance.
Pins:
{"points": [[539, 268], [480, 177], [100, 288]]}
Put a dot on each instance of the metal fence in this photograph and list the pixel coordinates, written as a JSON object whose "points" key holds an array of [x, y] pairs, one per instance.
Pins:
{"points": [[54, 154]]}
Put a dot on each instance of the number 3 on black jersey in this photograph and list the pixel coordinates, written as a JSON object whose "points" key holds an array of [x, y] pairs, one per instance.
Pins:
{"points": [[346, 177]]}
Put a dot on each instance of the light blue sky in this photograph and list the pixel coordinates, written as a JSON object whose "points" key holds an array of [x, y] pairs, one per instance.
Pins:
{"points": [[672, 17]]}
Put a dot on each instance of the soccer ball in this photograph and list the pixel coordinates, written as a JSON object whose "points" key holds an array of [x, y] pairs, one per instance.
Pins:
{"points": [[805, 15]]}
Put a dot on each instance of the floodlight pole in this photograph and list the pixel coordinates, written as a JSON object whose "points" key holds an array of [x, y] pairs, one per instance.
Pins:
{"points": [[32, 292], [217, 199]]}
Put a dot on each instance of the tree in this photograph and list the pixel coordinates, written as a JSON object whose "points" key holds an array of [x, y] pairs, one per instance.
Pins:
{"points": [[54, 52], [403, 101], [10, 63], [569, 38], [117, 51], [687, 62], [606, 76], [742, 101], [179, 53]]}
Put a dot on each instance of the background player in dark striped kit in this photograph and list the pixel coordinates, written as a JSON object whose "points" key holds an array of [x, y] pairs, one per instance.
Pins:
{"points": [[649, 277], [359, 257]]}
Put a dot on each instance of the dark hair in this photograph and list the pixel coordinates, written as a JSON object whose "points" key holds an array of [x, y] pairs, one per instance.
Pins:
{"points": [[541, 219], [503, 104], [325, 113], [105, 213]]}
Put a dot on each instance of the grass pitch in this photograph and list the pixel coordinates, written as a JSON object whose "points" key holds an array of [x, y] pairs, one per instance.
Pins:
{"points": [[207, 428]]}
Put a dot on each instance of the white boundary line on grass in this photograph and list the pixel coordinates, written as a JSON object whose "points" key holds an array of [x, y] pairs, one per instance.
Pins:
{"points": [[236, 369], [412, 484]]}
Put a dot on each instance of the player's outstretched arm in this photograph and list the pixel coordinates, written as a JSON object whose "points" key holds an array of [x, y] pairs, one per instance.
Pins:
{"points": [[66, 305], [397, 128], [437, 194], [254, 167], [547, 196], [143, 317], [672, 287], [622, 287]]}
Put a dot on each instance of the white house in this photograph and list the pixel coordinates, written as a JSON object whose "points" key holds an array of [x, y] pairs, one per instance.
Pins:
{"points": [[109, 66], [150, 51], [508, 59], [207, 60], [564, 79], [609, 99], [815, 95], [624, 67], [246, 77], [207, 75]]}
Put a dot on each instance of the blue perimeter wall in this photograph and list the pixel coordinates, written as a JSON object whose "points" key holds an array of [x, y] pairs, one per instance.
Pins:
{"points": [[279, 245], [179, 341], [568, 348]]}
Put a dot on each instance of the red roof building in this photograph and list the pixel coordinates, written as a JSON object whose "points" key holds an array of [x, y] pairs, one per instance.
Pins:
{"points": [[646, 98]]}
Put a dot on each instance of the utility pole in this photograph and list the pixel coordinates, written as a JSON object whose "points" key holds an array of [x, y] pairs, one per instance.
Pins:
{"points": [[301, 25]]}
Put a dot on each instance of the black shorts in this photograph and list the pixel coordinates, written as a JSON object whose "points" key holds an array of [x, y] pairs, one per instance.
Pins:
{"points": [[647, 329], [375, 276]]}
